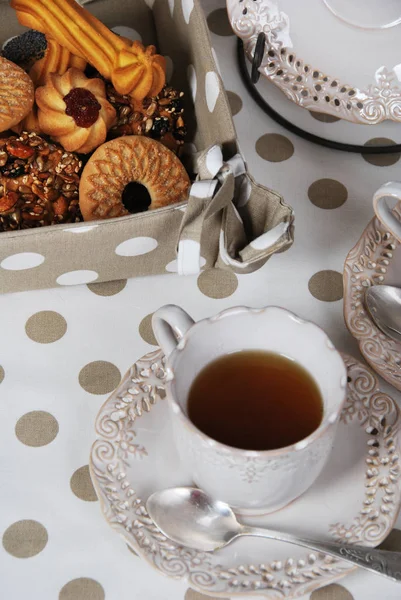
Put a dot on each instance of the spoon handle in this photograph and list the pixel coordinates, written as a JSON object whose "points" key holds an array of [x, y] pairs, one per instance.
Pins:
{"points": [[378, 561]]}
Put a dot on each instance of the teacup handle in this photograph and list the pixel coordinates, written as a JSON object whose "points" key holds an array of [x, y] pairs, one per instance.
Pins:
{"points": [[170, 323], [384, 213]]}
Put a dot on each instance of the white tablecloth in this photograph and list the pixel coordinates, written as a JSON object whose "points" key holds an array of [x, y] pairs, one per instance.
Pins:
{"points": [[56, 543]]}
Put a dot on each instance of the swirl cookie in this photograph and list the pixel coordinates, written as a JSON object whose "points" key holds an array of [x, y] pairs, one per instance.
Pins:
{"points": [[55, 60], [132, 68]]}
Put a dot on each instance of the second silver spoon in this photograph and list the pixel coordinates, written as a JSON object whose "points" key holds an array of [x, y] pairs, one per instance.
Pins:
{"points": [[384, 306]]}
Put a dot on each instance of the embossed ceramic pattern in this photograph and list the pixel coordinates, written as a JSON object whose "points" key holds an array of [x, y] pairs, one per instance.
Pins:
{"points": [[305, 84], [249, 481], [371, 262], [355, 499]]}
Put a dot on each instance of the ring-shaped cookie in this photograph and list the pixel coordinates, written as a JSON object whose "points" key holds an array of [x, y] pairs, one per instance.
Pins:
{"points": [[125, 160]]}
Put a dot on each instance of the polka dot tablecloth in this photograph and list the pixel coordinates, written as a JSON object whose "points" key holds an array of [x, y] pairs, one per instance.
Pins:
{"points": [[64, 350]]}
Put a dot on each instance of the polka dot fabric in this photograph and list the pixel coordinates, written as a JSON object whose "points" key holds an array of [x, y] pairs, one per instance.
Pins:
{"points": [[99, 377], [235, 102], [81, 484], [62, 351], [274, 147], [146, 330], [46, 327], [36, 428], [25, 539], [82, 588], [333, 591], [381, 160]]}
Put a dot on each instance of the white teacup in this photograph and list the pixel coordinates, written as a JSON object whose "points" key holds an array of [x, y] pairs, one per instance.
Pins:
{"points": [[250, 481], [388, 191]]}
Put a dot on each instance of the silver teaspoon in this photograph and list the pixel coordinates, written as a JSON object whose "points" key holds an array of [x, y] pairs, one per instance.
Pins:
{"points": [[384, 306], [191, 518]]}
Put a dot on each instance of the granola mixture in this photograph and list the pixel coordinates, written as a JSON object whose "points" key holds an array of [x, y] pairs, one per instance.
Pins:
{"points": [[39, 183], [160, 117]]}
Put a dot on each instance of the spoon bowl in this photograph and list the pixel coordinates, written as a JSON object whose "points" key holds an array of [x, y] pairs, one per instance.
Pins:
{"points": [[191, 518], [383, 303], [214, 523]]}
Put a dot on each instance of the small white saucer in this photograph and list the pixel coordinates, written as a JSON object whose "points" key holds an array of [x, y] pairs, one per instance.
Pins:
{"points": [[356, 498], [374, 260]]}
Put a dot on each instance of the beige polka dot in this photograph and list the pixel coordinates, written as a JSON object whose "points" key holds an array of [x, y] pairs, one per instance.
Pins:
{"points": [[36, 428], [326, 286], [24, 539], [132, 550], [392, 541], [381, 160], [107, 288], [235, 102], [323, 117], [2, 374], [146, 330], [218, 22], [99, 377], [82, 589], [332, 592], [217, 283], [274, 147], [327, 193], [194, 595], [46, 327], [82, 486]]}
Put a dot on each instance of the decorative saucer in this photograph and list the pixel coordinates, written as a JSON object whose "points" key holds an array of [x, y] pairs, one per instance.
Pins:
{"points": [[374, 260], [356, 498], [325, 125], [325, 59]]}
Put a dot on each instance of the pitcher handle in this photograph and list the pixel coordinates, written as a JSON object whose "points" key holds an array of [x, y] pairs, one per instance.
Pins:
{"points": [[384, 213], [170, 323]]}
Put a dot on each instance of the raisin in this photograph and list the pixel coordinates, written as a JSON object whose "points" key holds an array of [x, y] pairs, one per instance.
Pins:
{"points": [[12, 170], [177, 104], [181, 133], [160, 127]]}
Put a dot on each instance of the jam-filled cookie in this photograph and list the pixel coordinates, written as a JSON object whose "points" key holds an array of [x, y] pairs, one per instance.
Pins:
{"points": [[74, 110]]}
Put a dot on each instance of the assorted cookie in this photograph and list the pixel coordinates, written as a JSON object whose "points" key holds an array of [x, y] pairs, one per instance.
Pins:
{"points": [[16, 94], [84, 94], [74, 110], [155, 175], [133, 69], [56, 59]]}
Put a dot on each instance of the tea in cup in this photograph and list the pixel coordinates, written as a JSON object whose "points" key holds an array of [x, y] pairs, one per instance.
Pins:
{"points": [[255, 397]]}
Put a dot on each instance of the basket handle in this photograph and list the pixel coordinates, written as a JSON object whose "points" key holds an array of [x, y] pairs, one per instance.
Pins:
{"points": [[219, 198]]}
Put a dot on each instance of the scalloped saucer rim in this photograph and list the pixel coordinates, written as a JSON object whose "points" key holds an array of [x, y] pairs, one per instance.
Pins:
{"points": [[140, 398], [370, 262], [371, 101]]}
